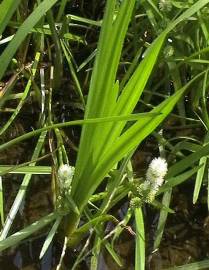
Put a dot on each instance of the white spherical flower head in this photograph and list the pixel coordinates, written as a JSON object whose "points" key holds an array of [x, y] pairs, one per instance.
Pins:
{"points": [[157, 169], [65, 171], [154, 178], [158, 182], [65, 174]]}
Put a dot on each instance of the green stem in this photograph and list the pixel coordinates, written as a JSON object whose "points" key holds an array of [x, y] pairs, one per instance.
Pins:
{"points": [[73, 123]]}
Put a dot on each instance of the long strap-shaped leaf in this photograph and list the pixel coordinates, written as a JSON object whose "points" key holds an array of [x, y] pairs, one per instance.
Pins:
{"points": [[50, 237], [110, 91], [7, 9], [136, 84], [102, 92], [124, 144], [24, 96], [140, 240], [96, 141], [22, 191], [15, 238], [191, 266], [36, 132], [22, 32], [134, 88]]}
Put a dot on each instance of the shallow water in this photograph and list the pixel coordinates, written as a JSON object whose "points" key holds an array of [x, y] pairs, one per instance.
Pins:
{"points": [[187, 231], [185, 238], [26, 257]]}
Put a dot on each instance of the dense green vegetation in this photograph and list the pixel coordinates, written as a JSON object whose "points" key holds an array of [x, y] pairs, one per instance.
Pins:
{"points": [[88, 84]]}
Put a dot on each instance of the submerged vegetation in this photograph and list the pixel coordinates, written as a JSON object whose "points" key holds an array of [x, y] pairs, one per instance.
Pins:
{"points": [[85, 88]]}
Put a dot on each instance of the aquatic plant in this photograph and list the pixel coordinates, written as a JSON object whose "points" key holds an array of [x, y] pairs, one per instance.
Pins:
{"points": [[119, 112]]}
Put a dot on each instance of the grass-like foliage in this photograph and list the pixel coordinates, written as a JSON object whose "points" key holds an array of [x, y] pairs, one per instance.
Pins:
{"points": [[119, 112]]}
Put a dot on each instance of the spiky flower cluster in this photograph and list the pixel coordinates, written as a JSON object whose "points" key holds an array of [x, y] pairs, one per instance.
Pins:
{"points": [[65, 176], [165, 5], [157, 169], [154, 178], [135, 202]]}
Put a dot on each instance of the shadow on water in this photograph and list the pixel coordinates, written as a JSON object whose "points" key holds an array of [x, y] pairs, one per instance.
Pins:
{"points": [[26, 257]]}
